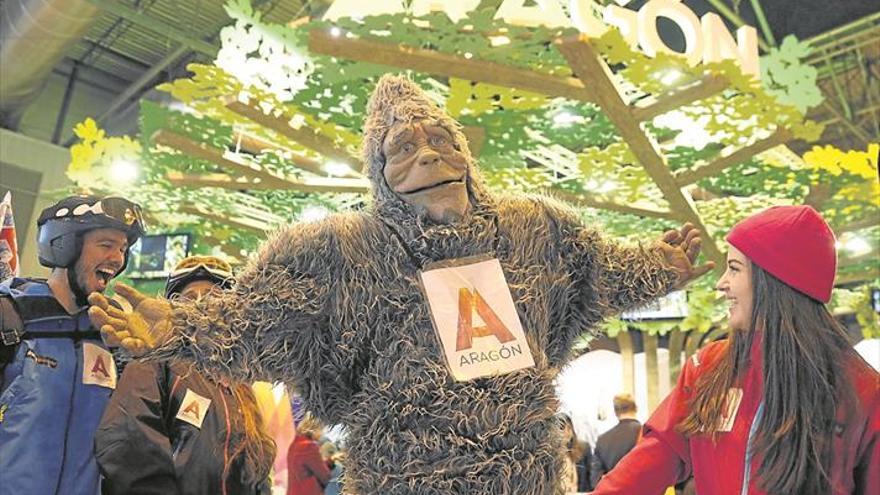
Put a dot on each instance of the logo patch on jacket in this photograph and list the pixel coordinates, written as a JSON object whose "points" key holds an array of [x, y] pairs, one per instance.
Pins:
{"points": [[193, 409], [731, 407], [99, 368]]}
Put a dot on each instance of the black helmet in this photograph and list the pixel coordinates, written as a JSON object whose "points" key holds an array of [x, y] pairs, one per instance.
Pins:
{"points": [[61, 226], [195, 268]]}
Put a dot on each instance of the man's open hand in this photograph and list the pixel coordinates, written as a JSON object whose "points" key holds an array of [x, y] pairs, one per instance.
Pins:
{"points": [[138, 331]]}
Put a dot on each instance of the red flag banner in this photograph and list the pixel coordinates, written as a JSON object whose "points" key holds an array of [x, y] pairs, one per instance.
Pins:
{"points": [[8, 244]]}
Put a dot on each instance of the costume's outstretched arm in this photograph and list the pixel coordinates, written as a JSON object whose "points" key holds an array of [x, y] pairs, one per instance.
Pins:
{"points": [[628, 276], [270, 325], [609, 276]]}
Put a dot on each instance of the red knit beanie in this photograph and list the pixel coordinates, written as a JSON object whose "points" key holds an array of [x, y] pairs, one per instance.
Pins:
{"points": [[794, 244]]}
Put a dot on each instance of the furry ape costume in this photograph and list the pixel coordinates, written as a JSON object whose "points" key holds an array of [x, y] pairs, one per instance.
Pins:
{"points": [[335, 309]]}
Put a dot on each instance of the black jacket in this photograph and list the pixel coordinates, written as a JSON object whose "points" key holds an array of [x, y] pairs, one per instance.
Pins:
{"points": [[612, 446], [149, 442]]}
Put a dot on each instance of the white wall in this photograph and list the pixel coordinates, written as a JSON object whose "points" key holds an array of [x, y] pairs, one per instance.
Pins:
{"points": [[17, 152], [587, 386]]}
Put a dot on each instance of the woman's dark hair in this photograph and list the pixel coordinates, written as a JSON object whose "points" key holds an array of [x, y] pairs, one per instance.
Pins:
{"points": [[804, 349], [255, 446]]}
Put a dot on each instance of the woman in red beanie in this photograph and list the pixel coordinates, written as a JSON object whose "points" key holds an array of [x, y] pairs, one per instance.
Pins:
{"points": [[784, 406]]}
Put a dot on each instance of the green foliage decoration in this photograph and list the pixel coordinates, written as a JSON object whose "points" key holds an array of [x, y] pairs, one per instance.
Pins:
{"points": [[328, 96]]}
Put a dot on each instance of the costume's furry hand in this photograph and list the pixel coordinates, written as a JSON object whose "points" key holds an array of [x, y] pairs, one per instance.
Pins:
{"points": [[680, 249], [145, 327]]}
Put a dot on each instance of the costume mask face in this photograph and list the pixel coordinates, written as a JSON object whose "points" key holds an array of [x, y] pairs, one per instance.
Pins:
{"points": [[426, 170]]}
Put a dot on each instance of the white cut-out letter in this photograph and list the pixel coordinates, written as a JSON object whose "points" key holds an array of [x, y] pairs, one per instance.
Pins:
{"points": [[547, 12], [360, 8], [625, 21], [456, 10], [719, 44], [682, 16], [583, 16]]}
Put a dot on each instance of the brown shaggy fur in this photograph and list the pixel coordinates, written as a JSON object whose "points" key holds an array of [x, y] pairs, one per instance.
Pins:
{"points": [[334, 309]]}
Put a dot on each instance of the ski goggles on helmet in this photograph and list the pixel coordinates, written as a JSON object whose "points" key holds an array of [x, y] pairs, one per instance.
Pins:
{"points": [[119, 209], [219, 273], [210, 268]]}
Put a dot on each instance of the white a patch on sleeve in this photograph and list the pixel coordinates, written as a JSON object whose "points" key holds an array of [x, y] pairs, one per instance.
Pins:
{"points": [[99, 368], [731, 407], [193, 409]]}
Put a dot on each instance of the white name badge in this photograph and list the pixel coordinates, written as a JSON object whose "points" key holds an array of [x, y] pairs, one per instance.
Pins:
{"points": [[731, 408], [99, 368], [193, 409], [475, 319]]}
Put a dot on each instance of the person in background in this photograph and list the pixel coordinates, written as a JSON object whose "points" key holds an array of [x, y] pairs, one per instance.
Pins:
{"points": [[616, 442], [785, 405], [333, 457], [583, 468], [169, 430], [307, 472], [56, 373], [573, 453]]}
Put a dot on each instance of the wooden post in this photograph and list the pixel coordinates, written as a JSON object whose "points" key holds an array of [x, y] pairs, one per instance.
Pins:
{"points": [[624, 340], [652, 369], [677, 340]]}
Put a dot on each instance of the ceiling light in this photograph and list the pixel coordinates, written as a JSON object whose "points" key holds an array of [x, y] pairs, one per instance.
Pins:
{"points": [[124, 171], [337, 169], [857, 245], [313, 213], [670, 77]]}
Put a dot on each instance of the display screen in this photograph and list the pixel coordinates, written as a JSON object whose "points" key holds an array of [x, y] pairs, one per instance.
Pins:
{"points": [[153, 256], [671, 306]]}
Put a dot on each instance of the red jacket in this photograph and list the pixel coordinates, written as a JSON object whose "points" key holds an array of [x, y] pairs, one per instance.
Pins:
{"points": [[307, 473], [665, 456]]}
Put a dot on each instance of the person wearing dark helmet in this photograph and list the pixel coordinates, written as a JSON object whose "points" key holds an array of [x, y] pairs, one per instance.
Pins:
{"points": [[171, 430], [785, 405], [57, 373]]}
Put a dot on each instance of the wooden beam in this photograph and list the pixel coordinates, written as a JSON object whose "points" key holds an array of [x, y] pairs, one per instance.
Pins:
{"points": [[254, 176], [858, 225], [256, 145], [584, 200], [228, 161], [856, 130], [241, 222], [852, 278], [305, 184], [433, 62], [686, 177], [592, 69], [304, 135], [224, 181], [818, 195], [476, 136], [665, 102]]}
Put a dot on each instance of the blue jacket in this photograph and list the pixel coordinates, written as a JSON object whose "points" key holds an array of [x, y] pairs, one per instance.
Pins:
{"points": [[52, 395]]}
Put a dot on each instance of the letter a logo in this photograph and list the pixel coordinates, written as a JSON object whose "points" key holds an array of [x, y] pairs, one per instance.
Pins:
{"points": [[99, 367], [468, 302], [192, 408], [195, 408]]}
